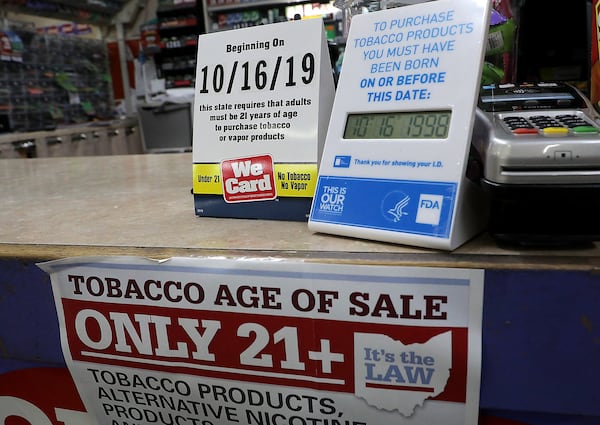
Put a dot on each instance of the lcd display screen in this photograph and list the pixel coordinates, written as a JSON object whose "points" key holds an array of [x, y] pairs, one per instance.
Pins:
{"points": [[398, 125]]}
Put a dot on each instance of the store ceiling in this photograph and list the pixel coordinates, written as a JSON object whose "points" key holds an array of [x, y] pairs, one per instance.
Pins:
{"points": [[97, 12]]}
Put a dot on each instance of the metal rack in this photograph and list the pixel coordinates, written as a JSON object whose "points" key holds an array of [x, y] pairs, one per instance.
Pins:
{"points": [[99, 12], [179, 24], [59, 80]]}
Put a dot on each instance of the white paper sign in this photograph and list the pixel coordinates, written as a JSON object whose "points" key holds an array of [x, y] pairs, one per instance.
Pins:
{"points": [[213, 341], [262, 104]]}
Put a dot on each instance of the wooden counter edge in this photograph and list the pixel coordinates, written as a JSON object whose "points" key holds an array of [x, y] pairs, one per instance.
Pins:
{"points": [[35, 253]]}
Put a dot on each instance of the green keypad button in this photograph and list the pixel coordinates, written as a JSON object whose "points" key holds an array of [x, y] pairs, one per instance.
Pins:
{"points": [[584, 129]]}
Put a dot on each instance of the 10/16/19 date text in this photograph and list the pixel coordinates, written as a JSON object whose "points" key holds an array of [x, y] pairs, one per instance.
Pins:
{"points": [[259, 75]]}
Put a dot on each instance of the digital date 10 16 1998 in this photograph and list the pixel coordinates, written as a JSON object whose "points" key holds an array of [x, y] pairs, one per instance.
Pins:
{"points": [[259, 75]]}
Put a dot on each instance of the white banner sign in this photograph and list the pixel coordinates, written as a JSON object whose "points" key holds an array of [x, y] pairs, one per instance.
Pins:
{"points": [[208, 341]]}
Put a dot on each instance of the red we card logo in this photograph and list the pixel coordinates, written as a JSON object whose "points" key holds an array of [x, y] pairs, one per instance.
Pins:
{"points": [[248, 179]]}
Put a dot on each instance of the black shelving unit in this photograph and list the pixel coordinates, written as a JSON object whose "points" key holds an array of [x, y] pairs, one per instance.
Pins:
{"points": [[59, 80], [222, 15], [178, 25], [91, 12]]}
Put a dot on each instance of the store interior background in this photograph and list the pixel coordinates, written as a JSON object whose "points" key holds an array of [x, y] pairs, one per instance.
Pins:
{"points": [[63, 63]]}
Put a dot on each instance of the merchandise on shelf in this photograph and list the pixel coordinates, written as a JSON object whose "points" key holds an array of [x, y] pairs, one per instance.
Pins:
{"points": [[247, 18], [150, 37], [11, 47], [178, 25], [233, 14], [500, 51], [58, 80], [90, 11]]}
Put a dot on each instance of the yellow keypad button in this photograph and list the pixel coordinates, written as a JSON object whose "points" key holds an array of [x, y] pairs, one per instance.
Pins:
{"points": [[555, 131]]}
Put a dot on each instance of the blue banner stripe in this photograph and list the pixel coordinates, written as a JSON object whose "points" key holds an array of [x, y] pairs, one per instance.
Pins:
{"points": [[404, 206]]}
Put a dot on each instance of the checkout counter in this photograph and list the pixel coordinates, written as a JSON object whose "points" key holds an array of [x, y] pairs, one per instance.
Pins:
{"points": [[116, 137], [166, 121], [541, 321]]}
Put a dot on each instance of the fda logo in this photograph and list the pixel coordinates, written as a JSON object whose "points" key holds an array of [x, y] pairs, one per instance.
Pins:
{"points": [[430, 209]]}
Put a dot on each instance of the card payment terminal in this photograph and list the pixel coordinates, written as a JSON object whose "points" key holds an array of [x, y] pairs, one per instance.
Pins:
{"points": [[538, 146]]}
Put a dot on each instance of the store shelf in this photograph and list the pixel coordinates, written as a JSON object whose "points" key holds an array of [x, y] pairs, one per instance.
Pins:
{"points": [[58, 80], [99, 12], [216, 6], [222, 15], [185, 23], [178, 27], [109, 7]]}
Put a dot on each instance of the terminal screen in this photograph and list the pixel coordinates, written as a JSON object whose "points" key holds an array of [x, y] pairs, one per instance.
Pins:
{"points": [[398, 125]]}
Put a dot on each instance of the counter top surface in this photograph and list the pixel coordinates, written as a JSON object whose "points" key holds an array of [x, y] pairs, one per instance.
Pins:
{"points": [[142, 205]]}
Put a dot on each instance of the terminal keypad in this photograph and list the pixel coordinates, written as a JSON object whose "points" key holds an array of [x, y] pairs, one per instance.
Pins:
{"points": [[546, 125]]}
